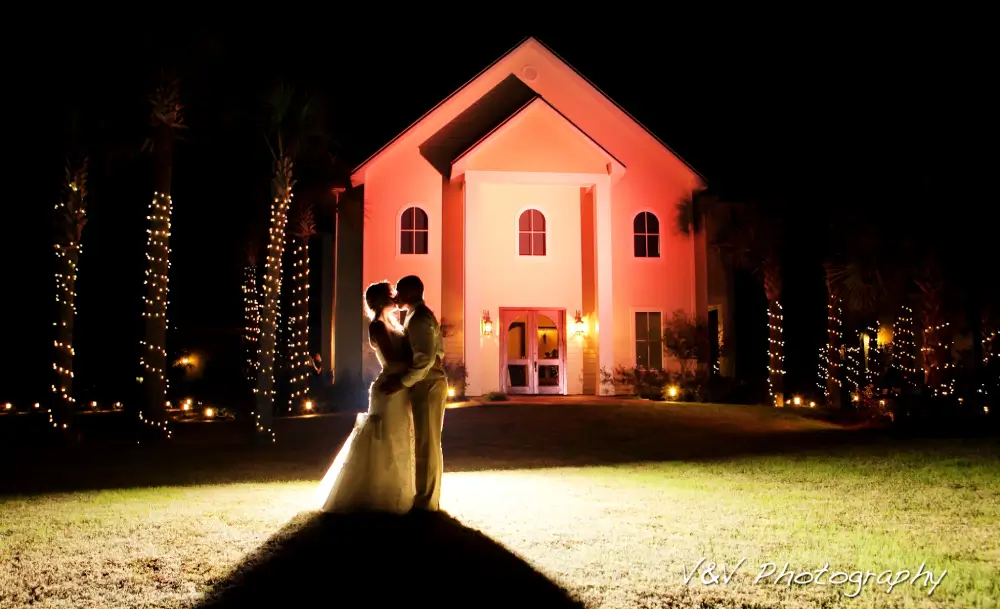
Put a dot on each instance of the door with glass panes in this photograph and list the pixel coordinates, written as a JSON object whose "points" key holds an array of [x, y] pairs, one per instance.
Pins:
{"points": [[533, 351]]}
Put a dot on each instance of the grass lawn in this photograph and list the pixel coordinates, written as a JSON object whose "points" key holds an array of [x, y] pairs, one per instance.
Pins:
{"points": [[596, 506]]}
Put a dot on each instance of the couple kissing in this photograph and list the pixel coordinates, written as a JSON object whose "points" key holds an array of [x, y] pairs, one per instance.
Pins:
{"points": [[392, 461]]}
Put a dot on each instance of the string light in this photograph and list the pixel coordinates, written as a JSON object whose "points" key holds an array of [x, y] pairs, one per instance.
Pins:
{"points": [[934, 356], [822, 376], [775, 353], [283, 184], [166, 118], [854, 367], [300, 362], [904, 345], [830, 363], [154, 353], [989, 345], [251, 315], [71, 218], [935, 350]]}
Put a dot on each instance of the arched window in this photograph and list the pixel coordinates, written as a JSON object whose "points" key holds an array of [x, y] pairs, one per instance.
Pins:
{"points": [[531, 233], [413, 231], [647, 235]]}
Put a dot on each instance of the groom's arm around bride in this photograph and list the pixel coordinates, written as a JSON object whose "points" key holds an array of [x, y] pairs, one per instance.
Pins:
{"points": [[424, 335]]}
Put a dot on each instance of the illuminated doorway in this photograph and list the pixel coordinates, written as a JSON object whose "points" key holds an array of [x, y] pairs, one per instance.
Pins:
{"points": [[533, 351]]}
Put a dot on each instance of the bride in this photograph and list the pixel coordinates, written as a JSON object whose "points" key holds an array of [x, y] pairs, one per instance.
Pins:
{"points": [[374, 471]]}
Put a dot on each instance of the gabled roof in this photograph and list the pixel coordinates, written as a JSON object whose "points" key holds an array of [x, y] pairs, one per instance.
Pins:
{"points": [[616, 167], [524, 42]]}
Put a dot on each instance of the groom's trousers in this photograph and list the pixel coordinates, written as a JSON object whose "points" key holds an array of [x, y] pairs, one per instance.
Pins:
{"points": [[428, 399]]}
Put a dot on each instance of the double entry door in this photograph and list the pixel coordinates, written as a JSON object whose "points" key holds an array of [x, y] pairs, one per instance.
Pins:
{"points": [[533, 351]]}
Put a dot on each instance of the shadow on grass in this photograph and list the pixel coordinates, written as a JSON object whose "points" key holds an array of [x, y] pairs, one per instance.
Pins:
{"points": [[324, 560]]}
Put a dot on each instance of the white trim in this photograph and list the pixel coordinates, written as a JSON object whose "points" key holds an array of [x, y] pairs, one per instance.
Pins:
{"points": [[659, 223], [398, 227], [517, 231], [631, 332]]}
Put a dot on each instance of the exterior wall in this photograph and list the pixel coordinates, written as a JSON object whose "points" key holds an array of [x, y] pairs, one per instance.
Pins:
{"points": [[404, 179], [662, 284], [496, 276]]}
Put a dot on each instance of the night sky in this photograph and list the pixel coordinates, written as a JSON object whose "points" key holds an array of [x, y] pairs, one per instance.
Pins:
{"points": [[887, 119]]}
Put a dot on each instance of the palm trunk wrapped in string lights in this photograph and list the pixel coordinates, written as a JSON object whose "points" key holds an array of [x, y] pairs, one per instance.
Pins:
{"points": [[166, 121], [934, 350], [904, 347], [834, 339], [775, 328], [251, 315], [300, 363], [989, 350], [282, 185], [71, 217]]}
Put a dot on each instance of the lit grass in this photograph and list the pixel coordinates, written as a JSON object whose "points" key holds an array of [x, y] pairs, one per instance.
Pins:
{"points": [[614, 536], [620, 536]]}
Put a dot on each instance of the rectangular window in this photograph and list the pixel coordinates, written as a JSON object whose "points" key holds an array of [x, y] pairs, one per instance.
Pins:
{"points": [[648, 342]]}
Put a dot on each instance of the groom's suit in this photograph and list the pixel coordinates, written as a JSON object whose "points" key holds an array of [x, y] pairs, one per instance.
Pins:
{"points": [[428, 394]]}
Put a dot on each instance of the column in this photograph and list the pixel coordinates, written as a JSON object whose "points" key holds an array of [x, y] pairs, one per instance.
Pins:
{"points": [[605, 295], [348, 297]]}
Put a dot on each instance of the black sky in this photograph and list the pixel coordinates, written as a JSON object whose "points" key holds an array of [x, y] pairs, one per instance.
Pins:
{"points": [[892, 116]]}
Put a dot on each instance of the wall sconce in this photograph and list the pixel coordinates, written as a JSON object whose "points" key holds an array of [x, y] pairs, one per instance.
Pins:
{"points": [[579, 325], [487, 324]]}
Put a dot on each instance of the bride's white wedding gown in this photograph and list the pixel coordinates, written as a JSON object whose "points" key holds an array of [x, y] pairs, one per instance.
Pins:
{"points": [[374, 471]]}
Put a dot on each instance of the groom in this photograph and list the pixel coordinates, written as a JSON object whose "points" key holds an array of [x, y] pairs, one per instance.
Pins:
{"points": [[428, 389]]}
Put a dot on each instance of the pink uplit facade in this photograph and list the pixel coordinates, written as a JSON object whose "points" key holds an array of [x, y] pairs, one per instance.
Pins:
{"points": [[524, 198]]}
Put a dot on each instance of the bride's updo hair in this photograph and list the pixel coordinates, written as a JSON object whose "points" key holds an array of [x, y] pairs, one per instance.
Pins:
{"points": [[377, 297]]}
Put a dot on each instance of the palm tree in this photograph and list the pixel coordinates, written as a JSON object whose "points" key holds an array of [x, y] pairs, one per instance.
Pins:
{"points": [[71, 217], [934, 350], [748, 235], [251, 313], [831, 363], [301, 363], [167, 120], [290, 122]]}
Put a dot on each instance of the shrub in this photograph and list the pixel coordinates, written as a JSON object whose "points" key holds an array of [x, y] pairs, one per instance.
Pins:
{"points": [[686, 339], [495, 396], [644, 383], [457, 376]]}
